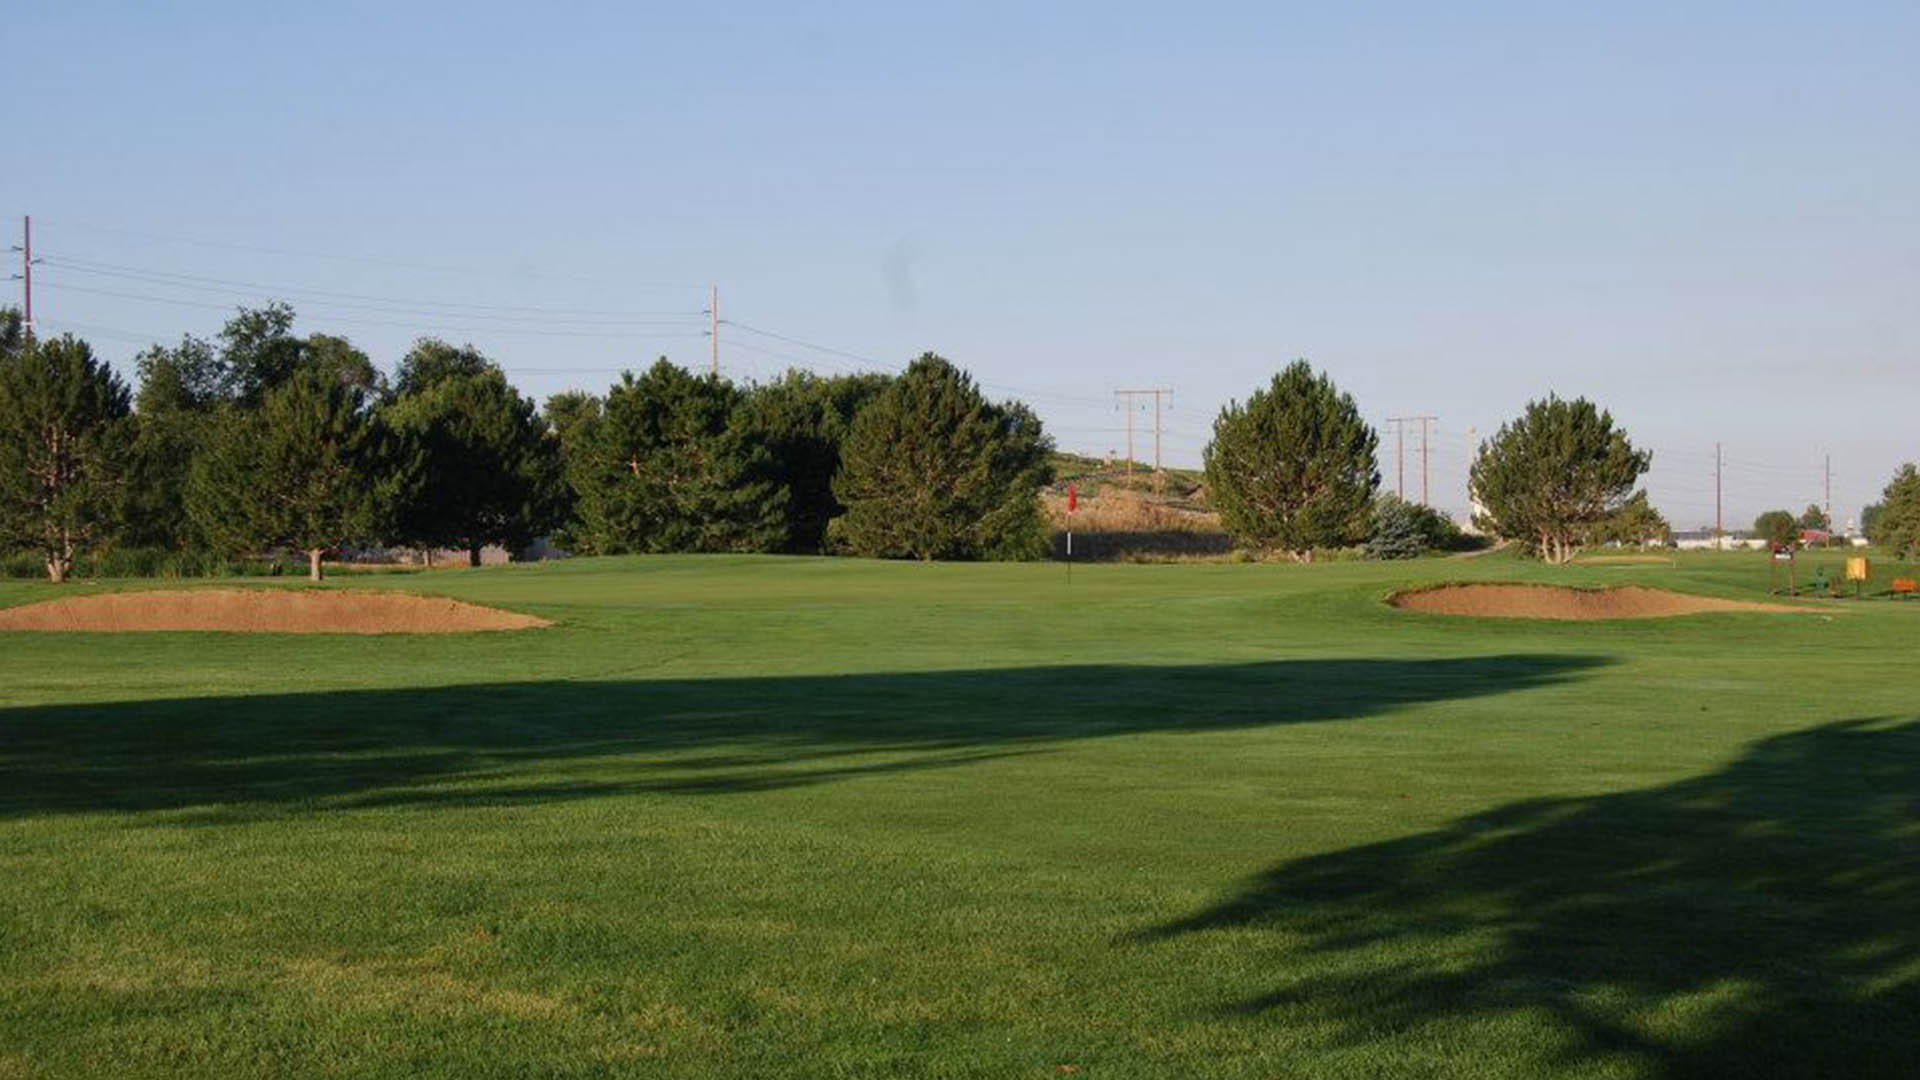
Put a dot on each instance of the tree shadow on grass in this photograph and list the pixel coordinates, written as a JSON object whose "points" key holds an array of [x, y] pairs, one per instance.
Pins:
{"points": [[1762, 920], [520, 742]]}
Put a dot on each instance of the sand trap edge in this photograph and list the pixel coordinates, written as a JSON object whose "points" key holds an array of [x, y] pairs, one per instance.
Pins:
{"points": [[263, 611], [1570, 603]]}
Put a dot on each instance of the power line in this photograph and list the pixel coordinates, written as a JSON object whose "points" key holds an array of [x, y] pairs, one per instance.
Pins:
{"points": [[684, 320], [1157, 393], [363, 259], [1400, 436], [435, 328], [213, 284], [829, 350]]}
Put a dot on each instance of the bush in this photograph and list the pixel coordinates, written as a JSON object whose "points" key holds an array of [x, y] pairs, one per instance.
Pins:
{"points": [[1397, 531], [1405, 530]]}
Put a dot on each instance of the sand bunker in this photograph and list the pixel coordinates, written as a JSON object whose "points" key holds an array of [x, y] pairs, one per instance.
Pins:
{"points": [[264, 611], [1508, 601]]}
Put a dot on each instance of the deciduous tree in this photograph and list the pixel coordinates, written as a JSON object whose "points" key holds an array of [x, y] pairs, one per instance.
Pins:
{"points": [[258, 352], [1777, 528], [1637, 522], [179, 389], [432, 360], [1293, 468]]}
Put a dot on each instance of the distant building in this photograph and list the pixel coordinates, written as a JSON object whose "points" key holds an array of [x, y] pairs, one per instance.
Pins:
{"points": [[1705, 540]]}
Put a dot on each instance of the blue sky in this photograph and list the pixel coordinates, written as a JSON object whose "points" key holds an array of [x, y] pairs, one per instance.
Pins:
{"points": [[1704, 216]]}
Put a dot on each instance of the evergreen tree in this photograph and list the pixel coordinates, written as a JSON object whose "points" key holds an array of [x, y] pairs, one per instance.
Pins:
{"points": [[803, 419], [1293, 468], [308, 470], [65, 432], [930, 469], [1814, 519], [1554, 476], [489, 470], [1870, 521], [179, 389], [669, 469], [573, 417], [12, 333], [1898, 522], [1398, 531]]}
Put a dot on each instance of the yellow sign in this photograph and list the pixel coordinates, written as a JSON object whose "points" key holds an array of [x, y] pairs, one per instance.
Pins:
{"points": [[1857, 569]]}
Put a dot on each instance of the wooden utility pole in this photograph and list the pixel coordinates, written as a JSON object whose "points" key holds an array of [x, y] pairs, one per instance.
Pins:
{"points": [[1399, 455], [1128, 395], [713, 326], [1827, 465], [25, 276], [1719, 514], [1473, 458], [1400, 451]]}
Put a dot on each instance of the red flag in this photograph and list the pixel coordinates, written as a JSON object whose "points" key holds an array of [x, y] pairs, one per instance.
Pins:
{"points": [[1073, 498]]}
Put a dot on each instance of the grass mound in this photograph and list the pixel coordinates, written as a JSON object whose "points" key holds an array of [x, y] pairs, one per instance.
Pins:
{"points": [[1517, 601], [263, 611]]}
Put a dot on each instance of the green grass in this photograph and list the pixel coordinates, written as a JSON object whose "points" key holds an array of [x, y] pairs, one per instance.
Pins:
{"points": [[767, 817]]}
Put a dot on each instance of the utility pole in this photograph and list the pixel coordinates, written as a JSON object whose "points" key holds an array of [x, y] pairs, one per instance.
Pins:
{"points": [[1473, 457], [25, 276], [1400, 455], [713, 326], [1719, 514], [1827, 499], [1158, 393], [1400, 451]]}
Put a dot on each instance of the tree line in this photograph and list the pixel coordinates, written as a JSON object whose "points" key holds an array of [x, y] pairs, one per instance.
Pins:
{"points": [[1292, 469], [262, 440]]}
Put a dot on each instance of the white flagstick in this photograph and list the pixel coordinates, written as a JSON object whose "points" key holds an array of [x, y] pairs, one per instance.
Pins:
{"points": [[1073, 504]]}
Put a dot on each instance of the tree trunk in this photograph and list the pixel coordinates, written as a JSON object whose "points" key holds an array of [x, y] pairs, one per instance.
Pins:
{"points": [[60, 559], [313, 564], [473, 554]]}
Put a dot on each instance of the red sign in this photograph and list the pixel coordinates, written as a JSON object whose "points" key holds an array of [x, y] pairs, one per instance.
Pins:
{"points": [[1073, 498]]}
